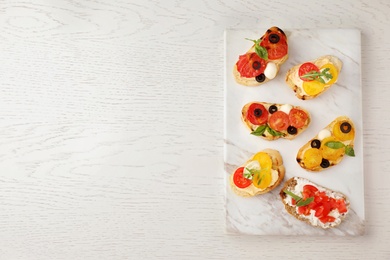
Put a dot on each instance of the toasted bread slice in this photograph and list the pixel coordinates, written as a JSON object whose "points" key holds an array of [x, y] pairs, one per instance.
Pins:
{"points": [[263, 179], [272, 121], [329, 146], [327, 209], [308, 87], [275, 53]]}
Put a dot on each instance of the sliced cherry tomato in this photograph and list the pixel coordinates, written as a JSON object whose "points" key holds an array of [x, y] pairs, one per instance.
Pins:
{"points": [[279, 121], [327, 219], [275, 42], [297, 117], [239, 180], [306, 68], [341, 206], [250, 65], [257, 114]]}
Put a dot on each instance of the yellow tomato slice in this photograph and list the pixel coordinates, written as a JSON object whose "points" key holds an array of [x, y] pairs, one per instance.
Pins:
{"points": [[332, 70], [264, 159], [337, 131], [312, 158], [330, 153], [313, 87], [263, 179]]}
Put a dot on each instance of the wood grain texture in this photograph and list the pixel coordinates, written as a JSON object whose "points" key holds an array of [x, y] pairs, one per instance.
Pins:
{"points": [[111, 128]]}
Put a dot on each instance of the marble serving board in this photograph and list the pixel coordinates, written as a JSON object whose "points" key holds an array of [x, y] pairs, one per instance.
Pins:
{"points": [[265, 214]]}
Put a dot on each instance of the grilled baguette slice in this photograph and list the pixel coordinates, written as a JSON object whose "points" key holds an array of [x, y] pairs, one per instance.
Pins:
{"points": [[296, 83], [278, 172], [295, 185], [273, 70], [287, 108], [327, 157]]}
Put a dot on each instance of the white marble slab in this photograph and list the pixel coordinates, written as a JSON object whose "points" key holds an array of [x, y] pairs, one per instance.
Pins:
{"points": [[265, 214]]}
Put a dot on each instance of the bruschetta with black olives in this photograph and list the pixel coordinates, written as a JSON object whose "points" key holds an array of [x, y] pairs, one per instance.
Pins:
{"points": [[314, 204], [272, 121], [329, 146], [311, 79], [263, 172], [262, 61]]}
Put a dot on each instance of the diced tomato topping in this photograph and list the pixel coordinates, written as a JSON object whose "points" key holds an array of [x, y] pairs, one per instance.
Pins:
{"points": [[341, 206], [250, 65], [239, 180], [257, 114], [304, 210], [322, 210], [327, 219], [293, 202]]}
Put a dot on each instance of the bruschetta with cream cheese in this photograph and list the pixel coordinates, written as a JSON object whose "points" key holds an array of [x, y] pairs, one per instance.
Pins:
{"points": [[262, 61], [263, 172], [272, 121], [314, 204], [329, 146], [311, 79]]}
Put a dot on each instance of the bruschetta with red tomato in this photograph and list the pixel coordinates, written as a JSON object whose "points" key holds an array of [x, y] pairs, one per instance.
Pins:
{"points": [[311, 79], [272, 121], [262, 61], [263, 172], [329, 146], [314, 204]]}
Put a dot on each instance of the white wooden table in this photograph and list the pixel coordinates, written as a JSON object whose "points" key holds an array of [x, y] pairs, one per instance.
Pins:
{"points": [[111, 128]]}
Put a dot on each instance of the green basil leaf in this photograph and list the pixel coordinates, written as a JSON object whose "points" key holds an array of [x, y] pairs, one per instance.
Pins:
{"points": [[295, 197], [349, 151], [335, 144], [261, 51], [305, 202], [259, 130], [273, 132]]}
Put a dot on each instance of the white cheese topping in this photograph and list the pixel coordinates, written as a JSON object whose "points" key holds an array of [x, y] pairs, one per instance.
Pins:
{"points": [[324, 133], [252, 166], [270, 70], [285, 108]]}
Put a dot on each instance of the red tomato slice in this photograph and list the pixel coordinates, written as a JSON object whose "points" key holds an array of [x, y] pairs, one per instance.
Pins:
{"points": [[276, 49], [250, 65], [297, 117], [327, 219], [239, 180], [279, 121], [306, 68], [257, 114]]}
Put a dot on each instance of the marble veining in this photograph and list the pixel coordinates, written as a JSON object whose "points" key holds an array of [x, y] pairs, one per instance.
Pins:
{"points": [[265, 214]]}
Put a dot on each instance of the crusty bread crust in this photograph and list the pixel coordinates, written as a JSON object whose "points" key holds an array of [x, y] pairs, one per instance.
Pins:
{"points": [[290, 185], [251, 82], [295, 83], [308, 145], [267, 135], [277, 164]]}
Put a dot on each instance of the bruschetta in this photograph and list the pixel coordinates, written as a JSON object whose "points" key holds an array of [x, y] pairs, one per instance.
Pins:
{"points": [[262, 61], [272, 121], [329, 146], [314, 204], [311, 79], [262, 173]]}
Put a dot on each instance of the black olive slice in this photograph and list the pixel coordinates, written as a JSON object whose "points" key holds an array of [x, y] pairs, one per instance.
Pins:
{"points": [[272, 109], [325, 163], [345, 127], [292, 130], [256, 65], [274, 38], [260, 78], [257, 112], [315, 143]]}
